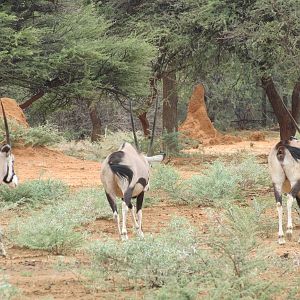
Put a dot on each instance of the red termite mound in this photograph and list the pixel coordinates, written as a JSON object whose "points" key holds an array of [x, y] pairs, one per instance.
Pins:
{"points": [[197, 124], [13, 111]]}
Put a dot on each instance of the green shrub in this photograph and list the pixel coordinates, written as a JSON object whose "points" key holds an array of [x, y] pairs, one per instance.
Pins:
{"points": [[7, 290], [233, 244], [251, 174], [152, 260], [228, 262], [54, 227], [165, 178], [43, 135], [216, 183], [34, 192]]}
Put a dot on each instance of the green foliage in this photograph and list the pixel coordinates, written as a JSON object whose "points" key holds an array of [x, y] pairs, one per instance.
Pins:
{"points": [[47, 232], [7, 290], [97, 150], [67, 53], [153, 260], [219, 181], [34, 193], [180, 263], [233, 244], [165, 178], [53, 228], [43, 135]]}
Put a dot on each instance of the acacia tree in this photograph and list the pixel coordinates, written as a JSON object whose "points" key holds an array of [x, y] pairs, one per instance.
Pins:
{"points": [[162, 22], [264, 34], [61, 52]]}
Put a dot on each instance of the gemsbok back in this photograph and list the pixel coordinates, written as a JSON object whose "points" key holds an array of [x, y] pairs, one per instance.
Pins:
{"points": [[7, 174], [125, 174]]}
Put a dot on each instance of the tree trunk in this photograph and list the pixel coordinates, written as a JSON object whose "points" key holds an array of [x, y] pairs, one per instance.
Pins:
{"points": [[286, 126], [143, 116], [170, 101], [264, 108], [96, 122], [296, 101], [145, 124]]}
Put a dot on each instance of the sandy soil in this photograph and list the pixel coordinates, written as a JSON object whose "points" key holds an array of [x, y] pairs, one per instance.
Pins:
{"points": [[35, 272], [43, 163]]}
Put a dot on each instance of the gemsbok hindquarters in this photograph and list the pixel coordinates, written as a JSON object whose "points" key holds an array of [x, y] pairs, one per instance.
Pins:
{"points": [[125, 174], [284, 167]]}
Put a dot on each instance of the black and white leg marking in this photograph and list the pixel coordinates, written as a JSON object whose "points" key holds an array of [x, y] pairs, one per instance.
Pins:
{"points": [[278, 198], [291, 196], [126, 204], [139, 204], [113, 205]]}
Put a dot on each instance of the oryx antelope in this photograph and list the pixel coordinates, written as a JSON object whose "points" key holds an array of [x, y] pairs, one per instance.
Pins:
{"points": [[125, 174], [7, 174], [284, 168]]}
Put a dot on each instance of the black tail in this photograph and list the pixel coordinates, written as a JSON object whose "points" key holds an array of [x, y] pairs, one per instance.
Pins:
{"points": [[295, 152], [121, 170]]}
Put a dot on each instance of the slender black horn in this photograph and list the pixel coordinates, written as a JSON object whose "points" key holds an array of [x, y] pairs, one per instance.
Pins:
{"points": [[133, 127], [291, 117], [5, 125], [153, 128]]}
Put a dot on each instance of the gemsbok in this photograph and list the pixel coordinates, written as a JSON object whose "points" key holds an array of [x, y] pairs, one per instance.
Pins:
{"points": [[284, 168], [125, 174], [7, 173]]}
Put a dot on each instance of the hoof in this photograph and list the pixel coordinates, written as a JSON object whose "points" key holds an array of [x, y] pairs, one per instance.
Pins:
{"points": [[289, 233], [281, 240], [140, 234], [124, 237], [2, 250]]}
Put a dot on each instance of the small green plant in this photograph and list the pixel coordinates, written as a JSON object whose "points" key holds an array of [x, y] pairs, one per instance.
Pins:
{"points": [[97, 150], [54, 227], [7, 290], [179, 263], [174, 142], [216, 183], [43, 135], [165, 178], [34, 192], [233, 243], [153, 261]]}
